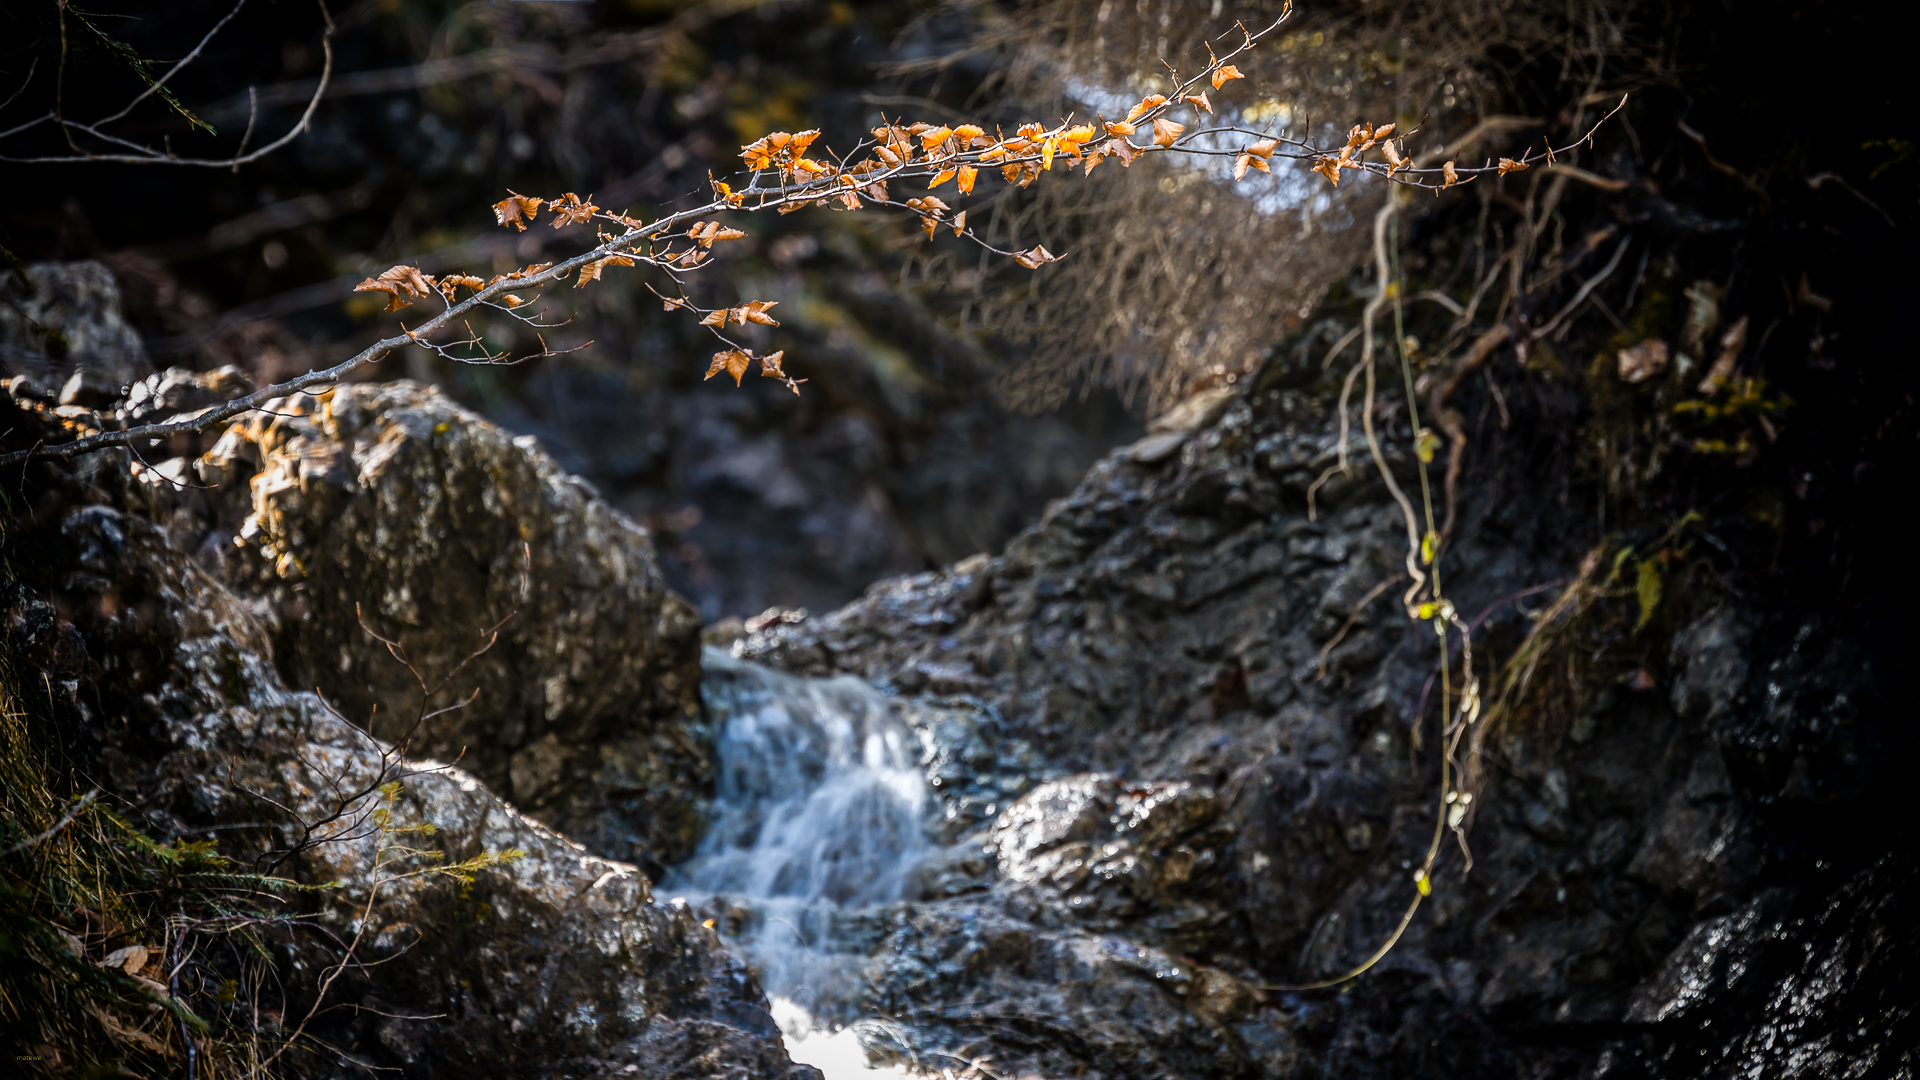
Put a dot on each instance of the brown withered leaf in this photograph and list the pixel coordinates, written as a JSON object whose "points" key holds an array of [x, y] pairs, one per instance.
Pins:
{"points": [[1508, 165], [1393, 155], [1166, 132], [1121, 149], [672, 302], [960, 223], [967, 174], [1148, 103], [756, 312], [1199, 101], [877, 191], [516, 210], [716, 318], [569, 210], [710, 232], [1035, 257], [402, 284], [1329, 168], [511, 300], [770, 365], [1264, 148], [732, 361], [1120, 129], [942, 177], [1240, 164], [448, 284], [1451, 177], [591, 271], [966, 133], [1224, 74]]}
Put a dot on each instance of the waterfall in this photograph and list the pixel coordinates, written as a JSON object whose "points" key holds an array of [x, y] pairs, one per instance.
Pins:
{"points": [[819, 813]]}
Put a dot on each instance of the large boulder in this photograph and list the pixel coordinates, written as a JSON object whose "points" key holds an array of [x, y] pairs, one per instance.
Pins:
{"points": [[1238, 780], [66, 333], [548, 961], [532, 637]]}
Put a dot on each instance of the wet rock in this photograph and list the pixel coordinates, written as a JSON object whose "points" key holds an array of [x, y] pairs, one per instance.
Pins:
{"points": [[1157, 638], [494, 573]]}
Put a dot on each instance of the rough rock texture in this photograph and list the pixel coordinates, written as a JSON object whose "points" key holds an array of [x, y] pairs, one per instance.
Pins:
{"points": [[69, 324], [1643, 867], [555, 963], [437, 527]]}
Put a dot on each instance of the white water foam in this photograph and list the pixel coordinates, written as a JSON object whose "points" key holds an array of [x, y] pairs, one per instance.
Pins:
{"points": [[819, 812]]}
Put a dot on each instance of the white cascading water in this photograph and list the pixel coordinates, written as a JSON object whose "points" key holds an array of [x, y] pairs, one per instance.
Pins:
{"points": [[819, 810]]}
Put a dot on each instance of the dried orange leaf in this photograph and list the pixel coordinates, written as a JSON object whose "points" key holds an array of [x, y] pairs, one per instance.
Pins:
{"points": [[515, 207], [1036, 257], [960, 223], [511, 300], [400, 283], [1451, 176], [715, 318], [591, 271], [1166, 132], [1121, 149], [967, 174], [1148, 103], [732, 361], [966, 133], [570, 210], [1508, 165], [1199, 101], [770, 365], [942, 177], [1225, 73], [1329, 168], [1120, 129], [756, 312], [1264, 148], [1240, 165]]}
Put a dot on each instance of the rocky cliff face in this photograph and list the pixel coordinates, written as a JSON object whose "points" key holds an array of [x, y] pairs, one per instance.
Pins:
{"points": [[166, 653], [1220, 816], [390, 511], [1166, 800]]}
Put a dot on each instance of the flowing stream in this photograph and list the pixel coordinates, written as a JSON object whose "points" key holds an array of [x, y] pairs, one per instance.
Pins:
{"points": [[818, 817]]}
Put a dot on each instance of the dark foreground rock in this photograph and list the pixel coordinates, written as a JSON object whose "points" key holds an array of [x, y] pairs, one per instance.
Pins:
{"points": [[1661, 881], [545, 961]]}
